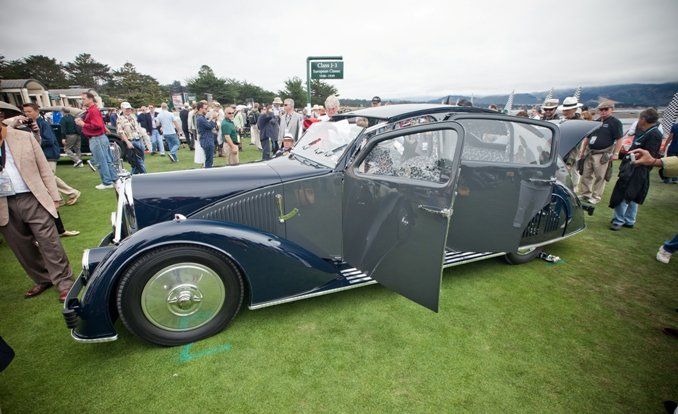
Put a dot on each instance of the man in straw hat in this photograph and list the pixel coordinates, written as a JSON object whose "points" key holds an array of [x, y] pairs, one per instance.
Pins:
{"points": [[549, 109], [597, 151]]}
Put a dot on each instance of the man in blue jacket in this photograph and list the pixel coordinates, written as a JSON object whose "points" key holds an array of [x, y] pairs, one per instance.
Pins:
{"points": [[206, 133], [268, 130], [50, 147]]}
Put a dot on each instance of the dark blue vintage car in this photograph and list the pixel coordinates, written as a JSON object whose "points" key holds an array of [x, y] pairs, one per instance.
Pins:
{"points": [[387, 195]]}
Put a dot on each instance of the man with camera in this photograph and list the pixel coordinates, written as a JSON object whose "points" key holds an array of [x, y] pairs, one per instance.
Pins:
{"points": [[633, 183], [29, 200], [205, 131]]}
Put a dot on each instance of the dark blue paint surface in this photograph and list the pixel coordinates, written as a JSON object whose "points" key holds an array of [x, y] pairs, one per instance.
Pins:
{"points": [[273, 267]]}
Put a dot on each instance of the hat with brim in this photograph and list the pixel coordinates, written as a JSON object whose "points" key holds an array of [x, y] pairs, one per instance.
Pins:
{"points": [[550, 104], [7, 108], [277, 100], [125, 105], [570, 103], [605, 104], [288, 136]]}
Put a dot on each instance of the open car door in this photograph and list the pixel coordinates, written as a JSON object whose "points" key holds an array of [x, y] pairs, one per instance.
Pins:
{"points": [[398, 196]]}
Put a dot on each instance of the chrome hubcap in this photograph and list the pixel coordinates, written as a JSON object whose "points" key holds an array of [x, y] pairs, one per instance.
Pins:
{"points": [[183, 296]]}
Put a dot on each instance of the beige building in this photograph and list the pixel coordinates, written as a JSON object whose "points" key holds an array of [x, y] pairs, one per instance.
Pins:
{"points": [[20, 91], [71, 97]]}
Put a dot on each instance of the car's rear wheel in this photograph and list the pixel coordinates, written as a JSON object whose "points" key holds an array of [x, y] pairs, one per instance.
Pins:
{"points": [[523, 255], [179, 294]]}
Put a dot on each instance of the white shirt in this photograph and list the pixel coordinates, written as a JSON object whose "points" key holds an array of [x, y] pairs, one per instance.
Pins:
{"points": [[166, 120], [14, 176]]}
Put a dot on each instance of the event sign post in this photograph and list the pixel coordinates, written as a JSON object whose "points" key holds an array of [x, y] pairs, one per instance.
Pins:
{"points": [[322, 67]]}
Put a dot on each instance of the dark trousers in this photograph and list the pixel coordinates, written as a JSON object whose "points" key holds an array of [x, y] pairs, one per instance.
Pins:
{"points": [[191, 140], [207, 145], [44, 261], [266, 149]]}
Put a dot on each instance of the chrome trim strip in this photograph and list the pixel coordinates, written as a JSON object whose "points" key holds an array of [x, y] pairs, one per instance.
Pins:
{"points": [[85, 262], [118, 214], [92, 341], [529, 246], [309, 295], [446, 265], [363, 279]]}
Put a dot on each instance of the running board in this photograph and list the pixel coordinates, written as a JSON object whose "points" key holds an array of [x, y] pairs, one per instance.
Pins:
{"points": [[355, 278], [454, 258]]}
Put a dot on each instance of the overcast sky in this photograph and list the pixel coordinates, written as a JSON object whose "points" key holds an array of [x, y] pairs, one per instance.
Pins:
{"points": [[393, 49]]}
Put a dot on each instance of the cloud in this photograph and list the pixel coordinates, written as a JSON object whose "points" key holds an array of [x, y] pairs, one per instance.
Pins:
{"points": [[390, 48]]}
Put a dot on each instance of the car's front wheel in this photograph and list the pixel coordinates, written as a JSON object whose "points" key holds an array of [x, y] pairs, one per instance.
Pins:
{"points": [[179, 294], [523, 255]]}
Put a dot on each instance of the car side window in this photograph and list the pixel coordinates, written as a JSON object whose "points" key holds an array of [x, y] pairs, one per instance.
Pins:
{"points": [[500, 141], [425, 156]]}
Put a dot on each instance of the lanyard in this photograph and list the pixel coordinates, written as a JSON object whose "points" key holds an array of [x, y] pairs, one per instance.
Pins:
{"points": [[3, 155], [638, 139]]}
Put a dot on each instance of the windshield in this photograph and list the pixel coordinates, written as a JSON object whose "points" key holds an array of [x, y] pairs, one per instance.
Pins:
{"points": [[324, 142]]}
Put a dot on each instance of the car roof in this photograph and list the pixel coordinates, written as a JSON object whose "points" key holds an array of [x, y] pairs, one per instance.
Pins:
{"points": [[399, 111]]}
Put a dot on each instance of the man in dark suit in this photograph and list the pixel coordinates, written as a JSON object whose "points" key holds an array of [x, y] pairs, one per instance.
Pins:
{"points": [[145, 120]]}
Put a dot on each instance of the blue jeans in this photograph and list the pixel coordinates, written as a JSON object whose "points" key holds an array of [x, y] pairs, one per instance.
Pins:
{"points": [[671, 246], [103, 159], [207, 145], [625, 213], [138, 167], [173, 142], [157, 142]]}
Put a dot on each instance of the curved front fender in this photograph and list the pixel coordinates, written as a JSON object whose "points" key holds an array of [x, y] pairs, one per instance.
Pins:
{"points": [[273, 267]]}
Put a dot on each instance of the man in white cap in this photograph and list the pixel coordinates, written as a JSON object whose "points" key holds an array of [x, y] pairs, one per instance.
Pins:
{"points": [[549, 109], [132, 135], [287, 144], [569, 110]]}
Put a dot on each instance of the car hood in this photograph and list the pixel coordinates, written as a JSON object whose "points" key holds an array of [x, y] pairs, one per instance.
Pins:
{"points": [[159, 196]]}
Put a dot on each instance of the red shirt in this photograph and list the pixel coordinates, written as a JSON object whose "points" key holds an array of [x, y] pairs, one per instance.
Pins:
{"points": [[94, 123]]}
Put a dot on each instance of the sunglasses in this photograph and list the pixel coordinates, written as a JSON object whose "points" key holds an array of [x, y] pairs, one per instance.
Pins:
{"points": [[549, 109], [604, 109], [230, 113]]}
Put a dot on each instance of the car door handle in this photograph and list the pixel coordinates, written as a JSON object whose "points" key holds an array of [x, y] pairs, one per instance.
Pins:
{"points": [[551, 180], [445, 212], [284, 217]]}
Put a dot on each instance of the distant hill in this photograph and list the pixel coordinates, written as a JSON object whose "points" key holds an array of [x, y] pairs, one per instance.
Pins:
{"points": [[634, 94]]}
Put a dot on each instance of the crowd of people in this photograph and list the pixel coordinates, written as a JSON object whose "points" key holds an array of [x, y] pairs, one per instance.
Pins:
{"points": [[31, 192]]}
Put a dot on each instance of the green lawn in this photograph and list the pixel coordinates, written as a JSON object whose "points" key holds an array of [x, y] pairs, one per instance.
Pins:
{"points": [[580, 336]]}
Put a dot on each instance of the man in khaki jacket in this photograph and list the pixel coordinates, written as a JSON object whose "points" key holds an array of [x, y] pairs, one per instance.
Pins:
{"points": [[27, 216]]}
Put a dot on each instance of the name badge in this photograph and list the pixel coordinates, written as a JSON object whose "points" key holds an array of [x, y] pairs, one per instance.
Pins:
{"points": [[593, 140], [6, 187]]}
